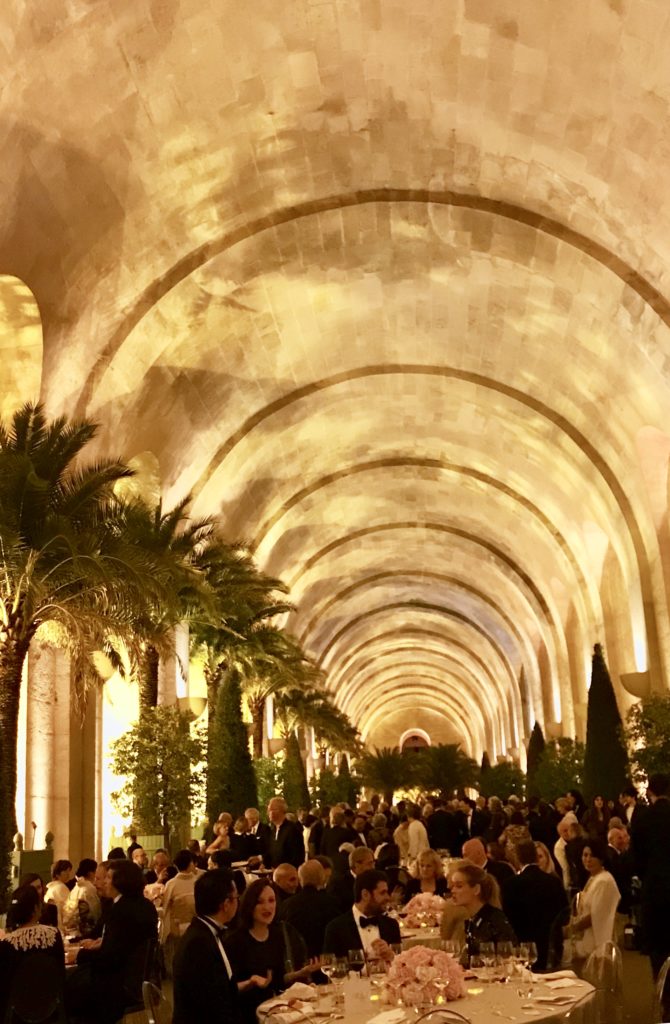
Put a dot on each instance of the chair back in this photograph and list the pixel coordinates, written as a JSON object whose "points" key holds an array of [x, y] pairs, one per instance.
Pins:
{"points": [[36, 994], [662, 997], [604, 970], [580, 1012], [137, 971], [156, 1005], [182, 912]]}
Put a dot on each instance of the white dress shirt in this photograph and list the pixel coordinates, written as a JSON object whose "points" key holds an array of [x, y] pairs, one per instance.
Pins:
{"points": [[369, 934]]}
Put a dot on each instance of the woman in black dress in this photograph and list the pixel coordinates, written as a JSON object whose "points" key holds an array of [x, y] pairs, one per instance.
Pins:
{"points": [[265, 956], [478, 894], [430, 876], [29, 937]]}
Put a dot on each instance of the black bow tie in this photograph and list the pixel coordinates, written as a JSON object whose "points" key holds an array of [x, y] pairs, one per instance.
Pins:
{"points": [[367, 921]]}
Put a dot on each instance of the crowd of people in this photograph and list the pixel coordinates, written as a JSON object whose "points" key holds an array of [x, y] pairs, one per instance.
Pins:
{"points": [[259, 905]]}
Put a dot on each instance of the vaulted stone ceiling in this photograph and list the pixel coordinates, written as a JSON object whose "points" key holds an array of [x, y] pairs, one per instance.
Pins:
{"points": [[385, 284]]}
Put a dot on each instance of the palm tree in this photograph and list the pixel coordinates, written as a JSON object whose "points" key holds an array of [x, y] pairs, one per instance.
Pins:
{"points": [[65, 564], [386, 770], [445, 768]]}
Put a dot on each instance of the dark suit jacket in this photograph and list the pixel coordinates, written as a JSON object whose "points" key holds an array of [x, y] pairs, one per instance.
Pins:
{"points": [[202, 989], [332, 838], [444, 832], [289, 846], [310, 910], [341, 889], [532, 900], [343, 935], [500, 870]]}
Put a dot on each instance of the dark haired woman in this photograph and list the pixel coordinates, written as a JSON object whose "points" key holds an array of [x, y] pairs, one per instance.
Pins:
{"points": [[265, 956], [595, 920], [29, 936], [49, 911], [596, 819]]}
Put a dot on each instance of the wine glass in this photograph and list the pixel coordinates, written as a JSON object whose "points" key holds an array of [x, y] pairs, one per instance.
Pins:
{"points": [[356, 960], [377, 975], [441, 985], [487, 952], [339, 972], [328, 961]]}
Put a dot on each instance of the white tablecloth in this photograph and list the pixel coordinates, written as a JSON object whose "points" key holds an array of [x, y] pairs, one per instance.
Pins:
{"points": [[484, 1004], [420, 937]]}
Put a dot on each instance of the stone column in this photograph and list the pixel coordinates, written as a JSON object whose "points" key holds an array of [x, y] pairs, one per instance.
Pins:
{"points": [[40, 742]]}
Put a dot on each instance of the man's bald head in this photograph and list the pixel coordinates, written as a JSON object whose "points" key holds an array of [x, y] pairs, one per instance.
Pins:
{"points": [[286, 877], [311, 873], [473, 850]]}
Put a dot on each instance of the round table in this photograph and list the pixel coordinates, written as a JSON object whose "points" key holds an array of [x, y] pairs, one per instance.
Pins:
{"points": [[420, 937], [485, 1003]]}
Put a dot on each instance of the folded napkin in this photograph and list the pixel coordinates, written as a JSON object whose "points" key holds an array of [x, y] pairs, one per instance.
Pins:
{"points": [[558, 975], [388, 1017], [563, 983], [298, 990]]}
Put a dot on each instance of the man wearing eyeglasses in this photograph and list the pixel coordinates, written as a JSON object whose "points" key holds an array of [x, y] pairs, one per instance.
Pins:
{"points": [[203, 983]]}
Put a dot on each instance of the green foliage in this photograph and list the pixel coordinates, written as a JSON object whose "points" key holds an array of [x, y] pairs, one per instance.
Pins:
{"points": [[444, 769], [561, 768], [231, 779], [535, 750], [606, 758], [296, 791], [503, 780], [648, 735], [486, 763], [269, 779], [327, 788], [385, 770], [160, 759]]}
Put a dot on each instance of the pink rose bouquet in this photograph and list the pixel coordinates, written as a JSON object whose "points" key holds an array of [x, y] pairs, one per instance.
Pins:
{"points": [[424, 909], [420, 975]]}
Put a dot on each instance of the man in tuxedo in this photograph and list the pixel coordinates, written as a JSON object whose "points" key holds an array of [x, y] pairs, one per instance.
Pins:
{"points": [[203, 978], [286, 844], [311, 909], [261, 833], [336, 833], [443, 831], [620, 865], [365, 926], [471, 821], [651, 850], [532, 900], [474, 851], [633, 809], [109, 969]]}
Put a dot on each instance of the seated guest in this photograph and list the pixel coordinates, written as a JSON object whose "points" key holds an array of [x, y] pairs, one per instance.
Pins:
{"points": [[178, 902], [545, 860], [81, 911], [204, 989], [116, 853], [200, 862], [106, 980], [265, 956], [327, 865], [474, 851], [532, 901], [388, 861], [58, 889], [139, 857], [311, 909], [364, 926], [49, 913], [29, 937], [430, 878], [341, 885], [478, 893], [105, 900], [285, 881], [336, 833], [159, 862]]}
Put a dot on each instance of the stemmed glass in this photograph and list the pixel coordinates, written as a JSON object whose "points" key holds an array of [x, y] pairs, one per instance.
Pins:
{"points": [[441, 985], [487, 952], [356, 960]]}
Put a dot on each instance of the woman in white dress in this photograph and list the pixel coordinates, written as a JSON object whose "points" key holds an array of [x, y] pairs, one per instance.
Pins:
{"points": [[594, 923]]}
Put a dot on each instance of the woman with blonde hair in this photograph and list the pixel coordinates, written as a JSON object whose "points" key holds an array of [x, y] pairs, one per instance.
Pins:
{"points": [[428, 876], [478, 894], [544, 859]]}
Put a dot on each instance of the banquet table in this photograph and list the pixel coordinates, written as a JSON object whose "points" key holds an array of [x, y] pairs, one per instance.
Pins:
{"points": [[420, 937], [485, 1003]]}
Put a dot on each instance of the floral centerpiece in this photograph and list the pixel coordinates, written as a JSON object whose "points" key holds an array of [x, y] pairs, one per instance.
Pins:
{"points": [[420, 975], [424, 909]]}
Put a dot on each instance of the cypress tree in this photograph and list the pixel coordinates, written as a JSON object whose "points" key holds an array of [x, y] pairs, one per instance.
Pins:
{"points": [[606, 759], [534, 756], [347, 783], [296, 790], [232, 782]]}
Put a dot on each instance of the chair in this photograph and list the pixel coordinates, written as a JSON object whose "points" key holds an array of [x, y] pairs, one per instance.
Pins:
{"points": [[443, 1015], [157, 1007], [604, 970], [138, 970], [662, 998], [36, 994], [579, 1011]]}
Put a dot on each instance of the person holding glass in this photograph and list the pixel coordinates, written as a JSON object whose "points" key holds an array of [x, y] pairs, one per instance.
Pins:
{"points": [[265, 956], [477, 893]]}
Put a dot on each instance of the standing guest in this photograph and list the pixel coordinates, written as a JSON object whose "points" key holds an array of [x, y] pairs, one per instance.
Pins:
{"points": [[311, 909], [594, 924], [574, 849], [472, 822], [576, 803], [532, 901], [204, 989], [29, 938], [477, 893], [596, 820], [362, 828], [417, 834], [364, 925], [341, 886], [285, 882], [243, 845], [327, 865], [98, 990], [265, 956], [134, 845], [286, 842], [336, 833], [379, 832], [429, 876], [498, 820], [317, 830], [563, 829], [58, 889], [474, 851], [632, 807], [443, 831], [651, 853], [619, 863], [401, 838]]}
